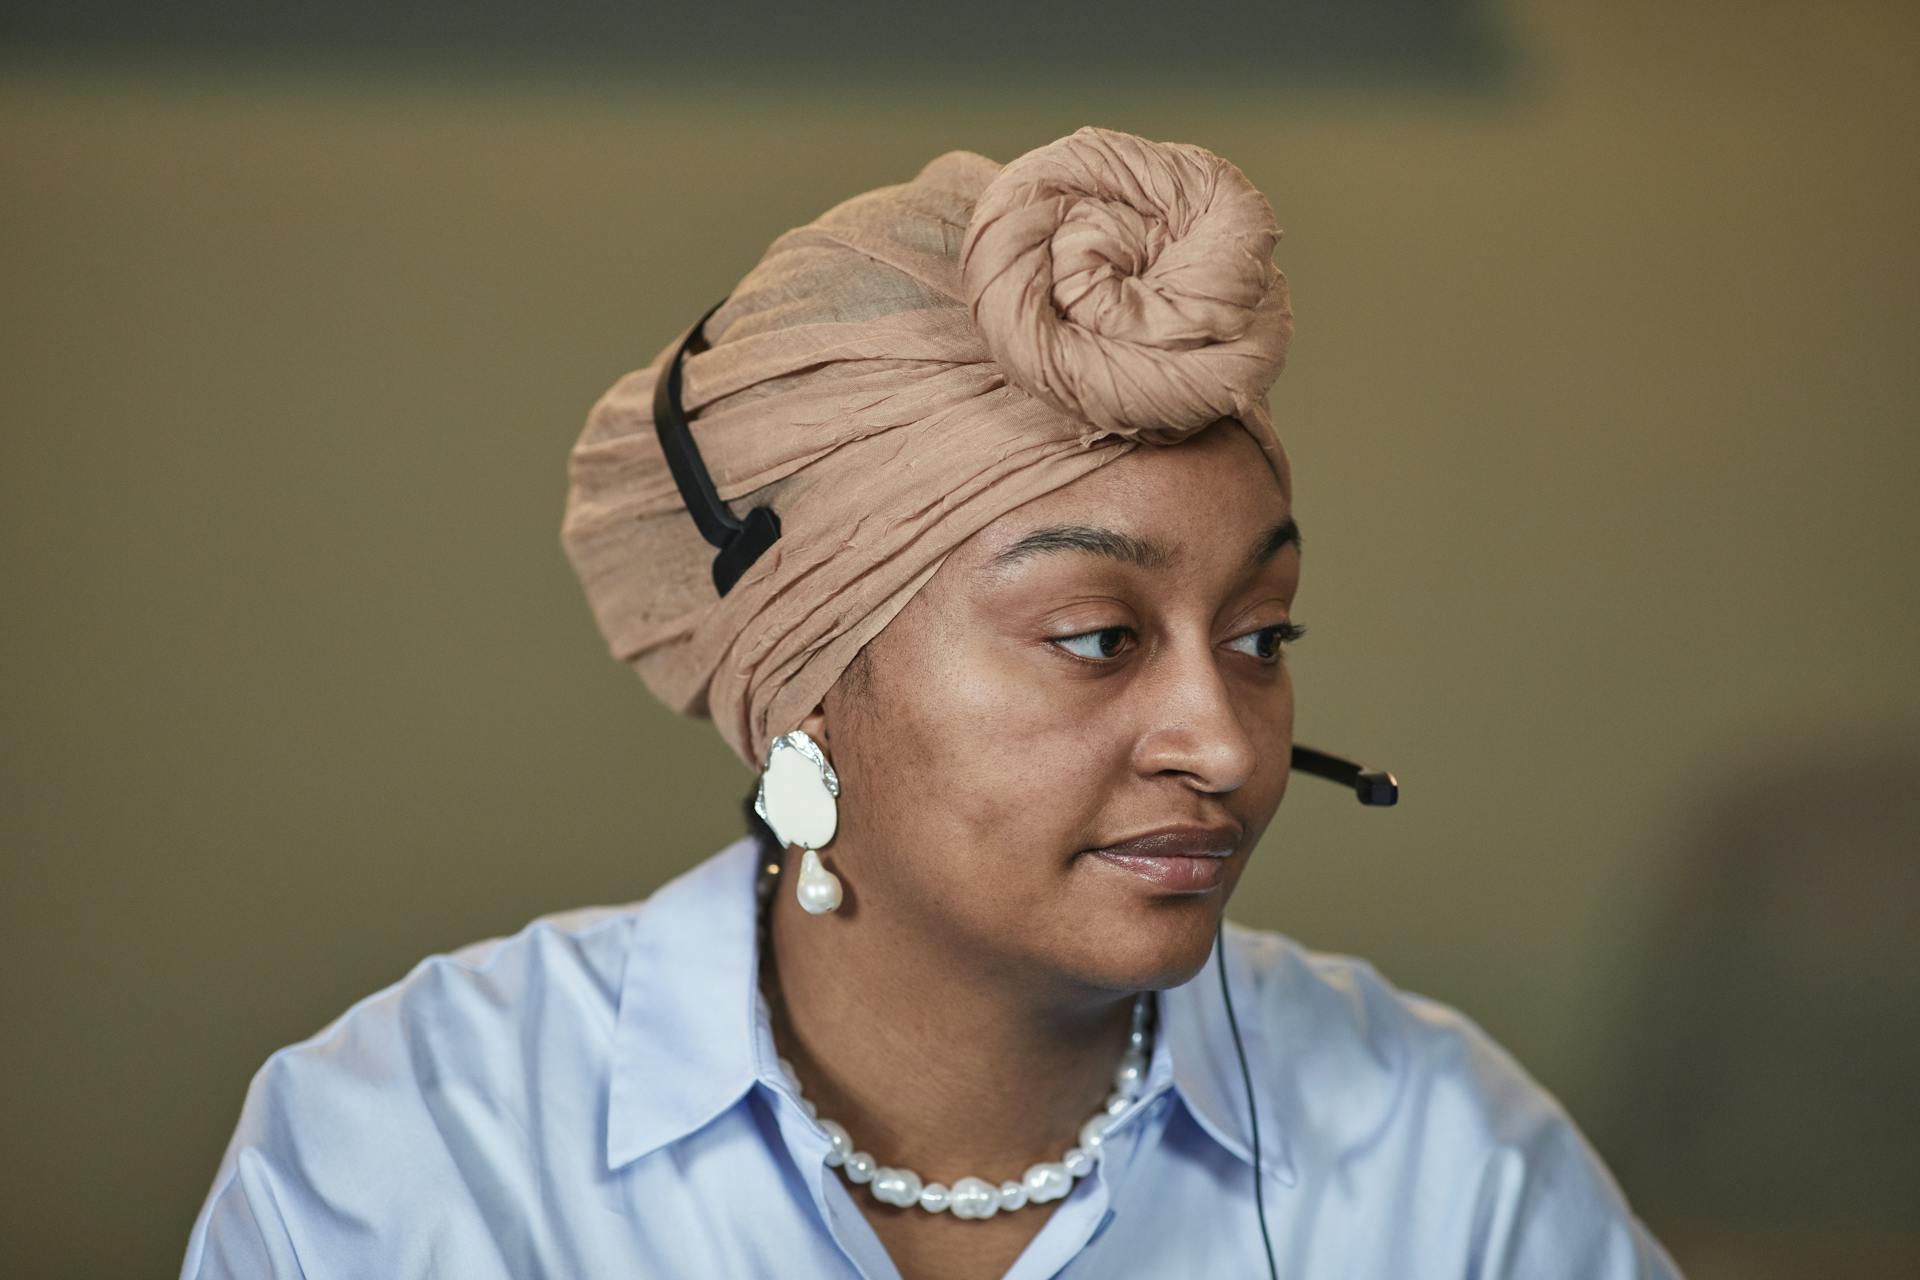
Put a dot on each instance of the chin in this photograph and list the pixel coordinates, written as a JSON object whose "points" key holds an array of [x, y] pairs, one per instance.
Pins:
{"points": [[1164, 950]]}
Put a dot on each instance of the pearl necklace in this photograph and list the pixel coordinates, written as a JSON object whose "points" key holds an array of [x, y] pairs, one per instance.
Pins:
{"points": [[970, 1197]]}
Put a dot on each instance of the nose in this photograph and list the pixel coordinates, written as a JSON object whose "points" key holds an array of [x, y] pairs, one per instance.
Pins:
{"points": [[1193, 721]]}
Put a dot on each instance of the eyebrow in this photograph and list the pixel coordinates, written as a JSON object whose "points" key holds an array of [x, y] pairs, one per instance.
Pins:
{"points": [[1143, 553], [1287, 532]]}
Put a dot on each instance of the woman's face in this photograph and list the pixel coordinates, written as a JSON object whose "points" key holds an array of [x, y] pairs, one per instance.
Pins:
{"points": [[1099, 664]]}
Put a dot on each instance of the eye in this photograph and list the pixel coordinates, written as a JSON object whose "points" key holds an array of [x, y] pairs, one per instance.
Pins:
{"points": [[1267, 640], [1095, 646]]}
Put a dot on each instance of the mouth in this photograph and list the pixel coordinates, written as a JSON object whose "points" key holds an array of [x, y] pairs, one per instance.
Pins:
{"points": [[1178, 859]]}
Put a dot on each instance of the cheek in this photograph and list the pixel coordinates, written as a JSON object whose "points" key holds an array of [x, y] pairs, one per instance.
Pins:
{"points": [[1272, 730], [980, 752]]}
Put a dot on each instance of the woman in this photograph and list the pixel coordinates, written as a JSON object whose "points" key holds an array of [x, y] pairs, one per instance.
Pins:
{"points": [[984, 559]]}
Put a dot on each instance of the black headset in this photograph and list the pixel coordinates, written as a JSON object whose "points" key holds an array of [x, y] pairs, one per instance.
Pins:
{"points": [[741, 542]]}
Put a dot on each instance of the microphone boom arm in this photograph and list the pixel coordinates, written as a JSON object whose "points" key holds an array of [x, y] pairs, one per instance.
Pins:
{"points": [[1372, 786]]}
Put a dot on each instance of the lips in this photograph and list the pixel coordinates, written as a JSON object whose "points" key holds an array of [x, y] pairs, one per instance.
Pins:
{"points": [[1179, 859]]}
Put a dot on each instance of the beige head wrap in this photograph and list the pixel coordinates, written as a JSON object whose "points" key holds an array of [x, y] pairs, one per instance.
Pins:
{"points": [[893, 376]]}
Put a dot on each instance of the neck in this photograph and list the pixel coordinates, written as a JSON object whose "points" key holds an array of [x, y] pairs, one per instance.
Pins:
{"points": [[942, 1075]]}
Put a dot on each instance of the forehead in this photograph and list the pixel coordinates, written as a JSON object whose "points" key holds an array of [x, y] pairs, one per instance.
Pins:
{"points": [[1204, 497]]}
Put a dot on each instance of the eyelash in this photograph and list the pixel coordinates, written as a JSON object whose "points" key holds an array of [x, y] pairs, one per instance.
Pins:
{"points": [[1287, 632]]}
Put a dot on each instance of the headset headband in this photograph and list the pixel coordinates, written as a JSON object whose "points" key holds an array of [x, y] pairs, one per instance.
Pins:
{"points": [[740, 542]]}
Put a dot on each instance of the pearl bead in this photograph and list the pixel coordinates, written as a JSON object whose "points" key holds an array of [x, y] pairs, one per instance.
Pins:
{"points": [[1117, 1102], [900, 1187], [818, 889], [1131, 1075], [975, 1198], [1094, 1131], [860, 1167], [1013, 1195], [1046, 1181], [842, 1144], [934, 1197], [1079, 1162]]}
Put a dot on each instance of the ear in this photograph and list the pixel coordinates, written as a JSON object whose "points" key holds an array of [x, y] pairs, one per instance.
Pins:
{"points": [[815, 726]]}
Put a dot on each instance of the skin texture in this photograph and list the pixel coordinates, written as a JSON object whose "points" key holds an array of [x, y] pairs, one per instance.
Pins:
{"points": [[963, 1010]]}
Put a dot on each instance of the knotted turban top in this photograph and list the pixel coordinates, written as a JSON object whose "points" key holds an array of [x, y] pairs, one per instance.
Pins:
{"points": [[896, 374]]}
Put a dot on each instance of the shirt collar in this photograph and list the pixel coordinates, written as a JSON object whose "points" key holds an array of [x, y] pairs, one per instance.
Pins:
{"points": [[685, 1041], [692, 1035]]}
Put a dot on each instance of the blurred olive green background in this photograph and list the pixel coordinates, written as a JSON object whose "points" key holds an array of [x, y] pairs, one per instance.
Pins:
{"points": [[1601, 410]]}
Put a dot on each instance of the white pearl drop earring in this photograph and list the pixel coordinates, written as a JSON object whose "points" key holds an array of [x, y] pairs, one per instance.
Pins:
{"points": [[817, 888], [797, 798]]}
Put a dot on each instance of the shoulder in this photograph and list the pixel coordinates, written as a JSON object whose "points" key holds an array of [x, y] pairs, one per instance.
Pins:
{"points": [[451, 1010], [412, 1095], [1346, 1030], [1389, 1086]]}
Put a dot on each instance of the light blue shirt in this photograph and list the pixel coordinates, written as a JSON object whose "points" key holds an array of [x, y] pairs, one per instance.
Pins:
{"points": [[599, 1096]]}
